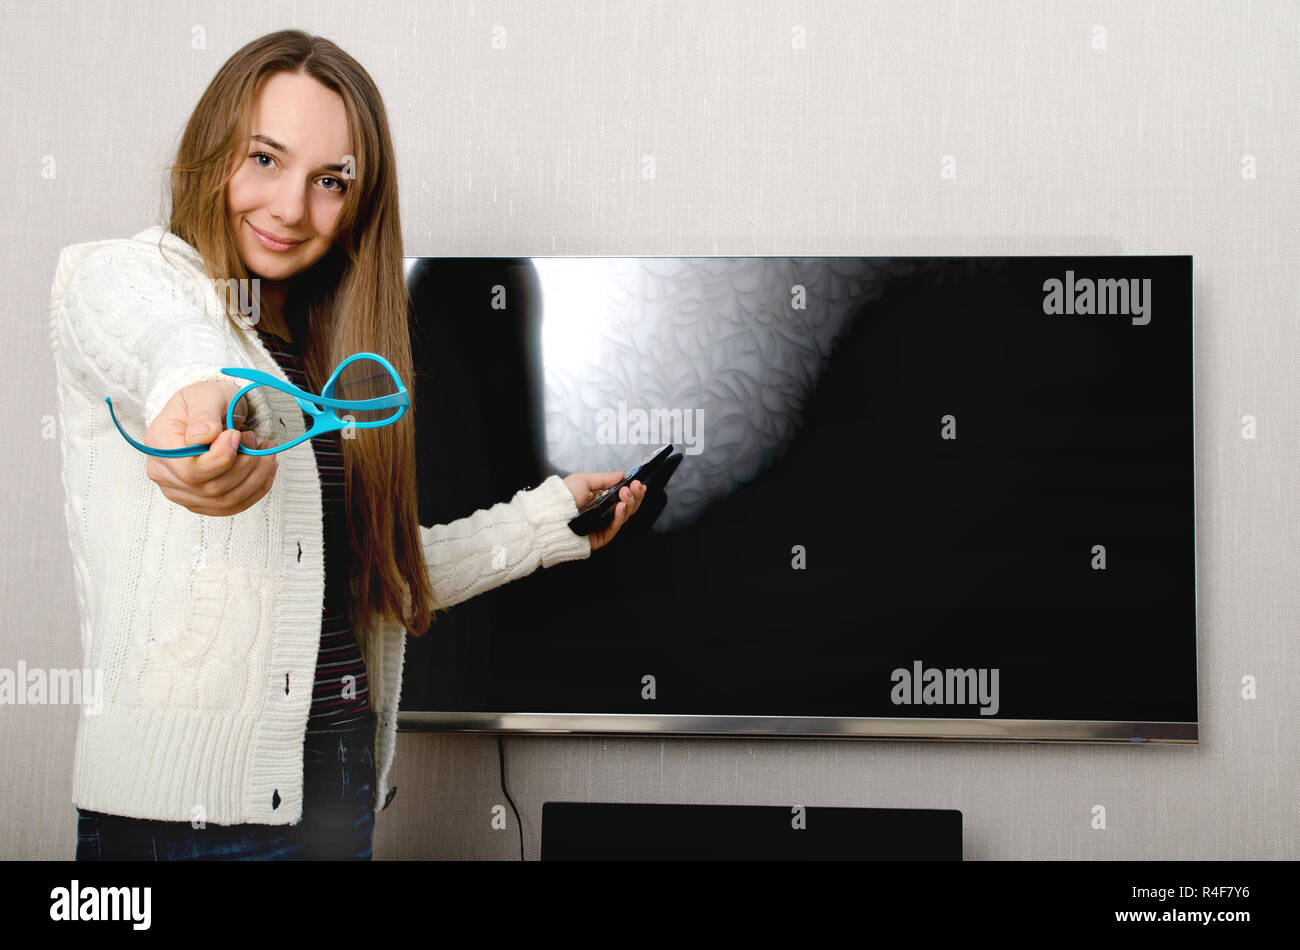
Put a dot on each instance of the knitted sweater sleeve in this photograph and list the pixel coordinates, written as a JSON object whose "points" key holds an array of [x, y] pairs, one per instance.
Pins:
{"points": [[510, 540], [126, 326]]}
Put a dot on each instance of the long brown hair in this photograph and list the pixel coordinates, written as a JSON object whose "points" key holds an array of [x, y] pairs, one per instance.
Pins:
{"points": [[353, 299]]}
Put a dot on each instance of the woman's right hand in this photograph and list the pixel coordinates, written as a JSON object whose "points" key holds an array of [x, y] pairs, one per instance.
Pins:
{"points": [[221, 481]]}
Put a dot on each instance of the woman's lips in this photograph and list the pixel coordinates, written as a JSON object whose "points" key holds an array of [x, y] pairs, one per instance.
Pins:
{"points": [[270, 243]]}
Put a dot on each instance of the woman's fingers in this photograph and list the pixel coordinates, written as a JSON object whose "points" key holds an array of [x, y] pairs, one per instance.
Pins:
{"points": [[629, 501], [597, 481], [216, 472], [244, 496], [247, 481], [632, 500], [238, 487], [241, 498], [222, 480]]}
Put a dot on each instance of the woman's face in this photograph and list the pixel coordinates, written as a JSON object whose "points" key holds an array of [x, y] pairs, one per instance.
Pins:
{"points": [[285, 197]]}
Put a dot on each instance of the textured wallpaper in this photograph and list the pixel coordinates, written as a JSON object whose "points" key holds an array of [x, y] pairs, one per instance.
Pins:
{"points": [[754, 128]]}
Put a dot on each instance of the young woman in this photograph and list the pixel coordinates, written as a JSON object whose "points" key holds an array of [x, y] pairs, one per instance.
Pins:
{"points": [[250, 612]]}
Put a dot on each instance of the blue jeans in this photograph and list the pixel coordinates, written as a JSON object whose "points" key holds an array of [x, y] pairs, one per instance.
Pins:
{"points": [[338, 818]]}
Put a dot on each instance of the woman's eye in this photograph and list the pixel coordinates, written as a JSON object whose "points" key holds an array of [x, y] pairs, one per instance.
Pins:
{"points": [[259, 155], [336, 181]]}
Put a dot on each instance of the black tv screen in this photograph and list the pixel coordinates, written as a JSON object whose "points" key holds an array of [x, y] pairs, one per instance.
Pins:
{"points": [[917, 497]]}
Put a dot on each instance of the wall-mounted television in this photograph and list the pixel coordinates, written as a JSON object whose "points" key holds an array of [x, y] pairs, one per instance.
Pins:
{"points": [[932, 498]]}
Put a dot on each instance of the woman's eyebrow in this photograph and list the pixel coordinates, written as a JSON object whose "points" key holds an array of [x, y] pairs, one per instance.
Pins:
{"points": [[267, 140]]}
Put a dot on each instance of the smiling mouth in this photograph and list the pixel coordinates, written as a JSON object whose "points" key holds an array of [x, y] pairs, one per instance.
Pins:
{"points": [[269, 241]]}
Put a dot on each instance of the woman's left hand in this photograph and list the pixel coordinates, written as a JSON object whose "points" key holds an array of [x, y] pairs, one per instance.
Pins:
{"points": [[586, 485]]}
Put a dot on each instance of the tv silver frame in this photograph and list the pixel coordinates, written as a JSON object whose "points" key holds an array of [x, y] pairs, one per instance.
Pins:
{"points": [[825, 727]]}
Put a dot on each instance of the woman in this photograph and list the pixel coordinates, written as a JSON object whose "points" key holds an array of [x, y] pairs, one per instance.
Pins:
{"points": [[250, 612]]}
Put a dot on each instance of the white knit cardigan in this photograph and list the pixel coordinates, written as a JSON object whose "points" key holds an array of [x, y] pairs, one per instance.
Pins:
{"points": [[207, 628]]}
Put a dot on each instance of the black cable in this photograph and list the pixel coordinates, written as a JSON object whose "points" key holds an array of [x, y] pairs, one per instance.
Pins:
{"points": [[501, 756]]}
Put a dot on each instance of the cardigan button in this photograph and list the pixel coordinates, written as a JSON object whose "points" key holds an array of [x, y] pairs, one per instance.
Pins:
{"points": [[391, 792]]}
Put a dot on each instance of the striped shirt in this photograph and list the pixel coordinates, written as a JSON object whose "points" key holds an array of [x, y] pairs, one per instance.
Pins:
{"points": [[332, 707]]}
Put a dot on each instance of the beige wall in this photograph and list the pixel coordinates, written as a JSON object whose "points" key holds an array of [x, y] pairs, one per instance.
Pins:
{"points": [[836, 148]]}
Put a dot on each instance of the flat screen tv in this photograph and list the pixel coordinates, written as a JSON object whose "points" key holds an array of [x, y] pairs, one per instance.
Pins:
{"points": [[931, 498]]}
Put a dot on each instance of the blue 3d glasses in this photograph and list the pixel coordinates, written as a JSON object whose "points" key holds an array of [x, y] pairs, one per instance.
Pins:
{"points": [[320, 408]]}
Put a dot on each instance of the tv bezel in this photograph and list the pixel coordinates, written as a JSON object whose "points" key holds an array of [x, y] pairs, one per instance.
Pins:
{"points": [[972, 729]]}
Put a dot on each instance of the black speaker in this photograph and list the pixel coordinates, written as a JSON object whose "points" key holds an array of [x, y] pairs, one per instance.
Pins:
{"points": [[586, 831]]}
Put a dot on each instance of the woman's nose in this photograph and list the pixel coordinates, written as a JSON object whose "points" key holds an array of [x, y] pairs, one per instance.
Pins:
{"points": [[288, 205]]}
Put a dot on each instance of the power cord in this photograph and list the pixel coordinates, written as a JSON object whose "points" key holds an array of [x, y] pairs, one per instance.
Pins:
{"points": [[501, 757]]}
